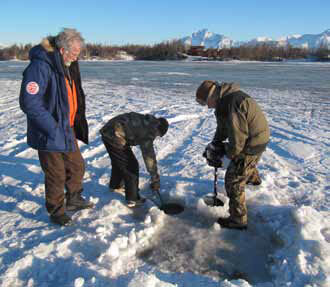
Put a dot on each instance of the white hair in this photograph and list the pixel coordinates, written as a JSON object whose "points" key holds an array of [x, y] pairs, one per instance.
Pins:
{"points": [[67, 37]]}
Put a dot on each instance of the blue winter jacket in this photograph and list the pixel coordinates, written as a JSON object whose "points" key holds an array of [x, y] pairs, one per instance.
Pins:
{"points": [[44, 100]]}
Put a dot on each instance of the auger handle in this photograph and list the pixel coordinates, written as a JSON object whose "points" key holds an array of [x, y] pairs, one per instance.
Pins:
{"points": [[215, 181]]}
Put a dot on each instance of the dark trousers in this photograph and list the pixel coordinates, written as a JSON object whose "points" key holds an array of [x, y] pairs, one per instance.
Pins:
{"points": [[124, 167], [62, 170]]}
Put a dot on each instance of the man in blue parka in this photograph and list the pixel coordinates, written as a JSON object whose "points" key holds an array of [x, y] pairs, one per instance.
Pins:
{"points": [[53, 100]]}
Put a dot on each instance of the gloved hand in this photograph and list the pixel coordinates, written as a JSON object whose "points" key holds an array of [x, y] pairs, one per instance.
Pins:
{"points": [[214, 155], [155, 183]]}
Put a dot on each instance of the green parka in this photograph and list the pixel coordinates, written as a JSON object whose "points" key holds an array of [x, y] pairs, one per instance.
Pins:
{"points": [[240, 120]]}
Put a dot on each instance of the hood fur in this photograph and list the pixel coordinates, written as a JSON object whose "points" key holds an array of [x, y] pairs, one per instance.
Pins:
{"points": [[48, 44]]}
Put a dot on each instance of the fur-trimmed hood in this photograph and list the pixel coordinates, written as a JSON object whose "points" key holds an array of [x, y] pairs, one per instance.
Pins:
{"points": [[47, 52], [48, 44]]}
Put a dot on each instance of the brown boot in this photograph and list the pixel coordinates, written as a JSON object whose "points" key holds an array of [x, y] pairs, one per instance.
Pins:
{"points": [[229, 222]]}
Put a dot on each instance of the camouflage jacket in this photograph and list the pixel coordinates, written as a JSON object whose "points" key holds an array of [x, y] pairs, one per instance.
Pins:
{"points": [[132, 129], [241, 120]]}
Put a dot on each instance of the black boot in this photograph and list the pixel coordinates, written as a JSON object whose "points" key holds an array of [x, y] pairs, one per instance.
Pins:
{"points": [[62, 219], [136, 203], [74, 202], [117, 188], [228, 222]]}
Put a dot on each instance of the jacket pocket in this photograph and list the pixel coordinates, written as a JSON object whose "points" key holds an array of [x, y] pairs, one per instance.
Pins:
{"points": [[58, 142]]}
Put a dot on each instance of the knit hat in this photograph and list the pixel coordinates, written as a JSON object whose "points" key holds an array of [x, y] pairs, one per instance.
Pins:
{"points": [[163, 126], [205, 89]]}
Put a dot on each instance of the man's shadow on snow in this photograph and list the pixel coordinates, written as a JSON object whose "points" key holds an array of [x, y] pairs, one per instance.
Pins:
{"points": [[22, 181], [16, 169]]}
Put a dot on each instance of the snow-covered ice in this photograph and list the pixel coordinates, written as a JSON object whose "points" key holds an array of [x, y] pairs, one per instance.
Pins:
{"points": [[288, 240]]}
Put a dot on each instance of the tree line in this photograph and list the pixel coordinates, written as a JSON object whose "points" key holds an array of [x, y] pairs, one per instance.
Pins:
{"points": [[263, 53], [20, 52], [170, 50], [176, 50]]}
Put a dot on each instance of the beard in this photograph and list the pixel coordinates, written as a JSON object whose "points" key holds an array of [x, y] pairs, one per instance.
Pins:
{"points": [[67, 64]]}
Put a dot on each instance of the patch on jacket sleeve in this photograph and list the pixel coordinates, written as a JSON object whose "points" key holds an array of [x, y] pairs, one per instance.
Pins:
{"points": [[32, 88]]}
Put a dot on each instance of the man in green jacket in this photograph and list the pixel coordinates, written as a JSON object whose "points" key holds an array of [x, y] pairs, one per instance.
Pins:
{"points": [[118, 135], [243, 125]]}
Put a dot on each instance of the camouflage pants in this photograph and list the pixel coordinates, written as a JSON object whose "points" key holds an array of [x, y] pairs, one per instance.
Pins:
{"points": [[239, 171]]}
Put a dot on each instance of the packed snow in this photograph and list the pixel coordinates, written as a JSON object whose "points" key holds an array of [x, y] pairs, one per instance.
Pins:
{"points": [[288, 239]]}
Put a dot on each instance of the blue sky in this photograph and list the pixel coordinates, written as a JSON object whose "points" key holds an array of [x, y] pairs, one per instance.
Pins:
{"points": [[148, 22]]}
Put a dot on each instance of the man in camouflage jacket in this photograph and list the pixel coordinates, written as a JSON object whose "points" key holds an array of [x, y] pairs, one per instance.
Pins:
{"points": [[241, 122], [118, 135]]}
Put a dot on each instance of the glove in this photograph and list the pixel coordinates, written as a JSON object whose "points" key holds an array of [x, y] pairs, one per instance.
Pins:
{"points": [[155, 183], [214, 155], [212, 149]]}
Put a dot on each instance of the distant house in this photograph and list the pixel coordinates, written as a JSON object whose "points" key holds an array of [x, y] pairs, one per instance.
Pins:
{"points": [[122, 55], [196, 51], [276, 59]]}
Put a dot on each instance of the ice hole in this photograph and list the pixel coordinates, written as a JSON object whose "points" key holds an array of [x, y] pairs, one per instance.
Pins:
{"points": [[189, 243]]}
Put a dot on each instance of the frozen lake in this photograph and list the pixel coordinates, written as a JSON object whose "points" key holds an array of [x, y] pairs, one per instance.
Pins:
{"points": [[307, 76], [287, 243]]}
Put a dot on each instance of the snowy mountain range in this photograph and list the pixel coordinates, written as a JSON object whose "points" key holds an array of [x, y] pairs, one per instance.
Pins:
{"points": [[208, 40], [212, 40]]}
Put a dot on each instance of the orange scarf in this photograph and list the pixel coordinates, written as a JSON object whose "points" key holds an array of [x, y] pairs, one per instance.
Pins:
{"points": [[72, 98]]}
